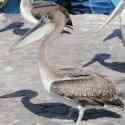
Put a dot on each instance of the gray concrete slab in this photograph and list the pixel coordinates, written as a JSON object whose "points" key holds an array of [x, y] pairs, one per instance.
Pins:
{"points": [[26, 102]]}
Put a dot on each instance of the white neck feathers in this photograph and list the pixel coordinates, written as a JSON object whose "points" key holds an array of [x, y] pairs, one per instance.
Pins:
{"points": [[47, 73], [25, 8]]}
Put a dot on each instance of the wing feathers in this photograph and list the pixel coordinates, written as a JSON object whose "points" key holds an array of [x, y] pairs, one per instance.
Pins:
{"points": [[94, 90]]}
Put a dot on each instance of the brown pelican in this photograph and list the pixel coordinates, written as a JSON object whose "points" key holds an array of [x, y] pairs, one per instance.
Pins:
{"points": [[79, 91], [87, 89], [119, 10]]}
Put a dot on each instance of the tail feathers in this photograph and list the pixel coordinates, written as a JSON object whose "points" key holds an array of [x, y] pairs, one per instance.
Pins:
{"points": [[100, 102], [117, 102]]}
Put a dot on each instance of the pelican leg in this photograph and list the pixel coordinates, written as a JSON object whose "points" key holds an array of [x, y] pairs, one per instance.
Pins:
{"points": [[80, 116]]}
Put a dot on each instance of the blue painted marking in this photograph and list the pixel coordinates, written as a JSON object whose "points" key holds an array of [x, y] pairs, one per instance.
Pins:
{"points": [[115, 2]]}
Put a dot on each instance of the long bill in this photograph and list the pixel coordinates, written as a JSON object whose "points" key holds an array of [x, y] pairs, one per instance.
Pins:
{"points": [[116, 12], [39, 32]]}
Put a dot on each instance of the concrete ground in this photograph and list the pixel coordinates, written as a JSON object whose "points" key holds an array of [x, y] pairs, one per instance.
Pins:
{"points": [[27, 103]]}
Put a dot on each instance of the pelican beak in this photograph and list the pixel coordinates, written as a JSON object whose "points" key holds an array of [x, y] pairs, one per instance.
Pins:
{"points": [[40, 31], [116, 12]]}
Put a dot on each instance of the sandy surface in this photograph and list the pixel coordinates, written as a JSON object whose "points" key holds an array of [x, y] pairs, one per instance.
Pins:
{"points": [[26, 102]]}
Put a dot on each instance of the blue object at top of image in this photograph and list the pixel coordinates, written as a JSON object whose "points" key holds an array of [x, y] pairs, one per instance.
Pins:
{"points": [[115, 2], [77, 6], [12, 6]]}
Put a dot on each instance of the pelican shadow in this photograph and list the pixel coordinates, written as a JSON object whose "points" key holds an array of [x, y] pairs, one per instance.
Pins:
{"points": [[16, 27], [115, 33], [100, 58], [56, 110]]}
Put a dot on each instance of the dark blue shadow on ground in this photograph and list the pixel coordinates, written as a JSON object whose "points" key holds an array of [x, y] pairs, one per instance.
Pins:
{"points": [[56, 110], [101, 57], [115, 33], [16, 27]]}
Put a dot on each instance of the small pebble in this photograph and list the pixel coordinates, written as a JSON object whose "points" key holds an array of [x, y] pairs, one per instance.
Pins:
{"points": [[8, 69], [84, 29]]}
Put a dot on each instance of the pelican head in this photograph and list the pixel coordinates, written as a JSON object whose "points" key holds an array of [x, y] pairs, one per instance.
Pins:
{"points": [[58, 18], [116, 11], [25, 9]]}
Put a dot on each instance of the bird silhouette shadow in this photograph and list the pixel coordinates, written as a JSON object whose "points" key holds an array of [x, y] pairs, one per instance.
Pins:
{"points": [[56, 110], [115, 33], [16, 27], [101, 57]]}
